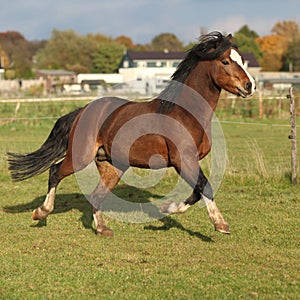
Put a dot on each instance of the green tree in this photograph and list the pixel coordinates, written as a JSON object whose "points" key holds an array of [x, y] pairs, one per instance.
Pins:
{"points": [[292, 56], [245, 30], [67, 50], [108, 57], [245, 39], [167, 41]]}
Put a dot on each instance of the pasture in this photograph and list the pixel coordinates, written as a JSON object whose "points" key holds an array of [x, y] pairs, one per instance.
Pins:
{"points": [[177, 257]]}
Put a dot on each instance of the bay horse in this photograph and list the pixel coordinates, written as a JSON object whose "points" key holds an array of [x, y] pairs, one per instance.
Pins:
{"points": [[172, 130]]}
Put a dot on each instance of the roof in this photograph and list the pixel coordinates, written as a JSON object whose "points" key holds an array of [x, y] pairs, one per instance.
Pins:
{"points": [[252, 62], [56, 72], [148, 55], [155, 55], [281, 80]]}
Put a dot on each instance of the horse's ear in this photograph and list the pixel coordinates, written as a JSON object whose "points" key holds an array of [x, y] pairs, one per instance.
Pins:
{"points": [[229, 38]]}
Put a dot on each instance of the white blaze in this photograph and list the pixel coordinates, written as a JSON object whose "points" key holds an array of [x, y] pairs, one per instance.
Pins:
{"points": [[235, 56]]}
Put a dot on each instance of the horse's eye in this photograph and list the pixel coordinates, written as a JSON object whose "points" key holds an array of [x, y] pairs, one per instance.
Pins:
{"points": [[225, 62]]}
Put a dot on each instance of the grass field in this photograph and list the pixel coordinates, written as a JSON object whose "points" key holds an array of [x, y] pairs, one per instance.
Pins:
{"points": [[178, 257]]}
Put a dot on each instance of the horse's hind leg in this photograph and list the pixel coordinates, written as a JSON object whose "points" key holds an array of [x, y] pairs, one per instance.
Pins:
{"points": [[47, 207], [109, 178], [56, 174]]}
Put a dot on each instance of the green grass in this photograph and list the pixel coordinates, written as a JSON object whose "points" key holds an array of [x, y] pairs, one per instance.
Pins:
{"points": [[178, 257]]}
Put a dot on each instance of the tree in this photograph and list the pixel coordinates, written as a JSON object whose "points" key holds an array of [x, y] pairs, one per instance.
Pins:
{"points": [[167, 41], [245, 30], [67, 50], [125, 41], [16, 54], [107, 58], [288, 29], [293, 55], [245, 40], [246, 44], [274, 47]]}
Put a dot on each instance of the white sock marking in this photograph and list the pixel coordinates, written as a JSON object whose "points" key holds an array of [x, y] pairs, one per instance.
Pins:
{"points": [[49, 201], [183, 207]]}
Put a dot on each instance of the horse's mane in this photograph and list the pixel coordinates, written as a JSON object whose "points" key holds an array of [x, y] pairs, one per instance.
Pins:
{"points": [[210, 47]]}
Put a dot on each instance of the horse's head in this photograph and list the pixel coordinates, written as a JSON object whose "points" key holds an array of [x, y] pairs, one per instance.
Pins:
{"points": [[215, 60], [229, 71]]}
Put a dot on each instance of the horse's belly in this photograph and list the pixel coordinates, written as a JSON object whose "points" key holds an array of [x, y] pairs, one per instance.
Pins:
{"points": [[147, 151]]}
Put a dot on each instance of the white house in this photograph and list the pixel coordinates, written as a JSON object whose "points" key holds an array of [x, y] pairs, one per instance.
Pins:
{"points": [[147, 72]]}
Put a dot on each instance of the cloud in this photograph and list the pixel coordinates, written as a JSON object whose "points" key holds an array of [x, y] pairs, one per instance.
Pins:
{"points": [[230, 24], [142, 20]]}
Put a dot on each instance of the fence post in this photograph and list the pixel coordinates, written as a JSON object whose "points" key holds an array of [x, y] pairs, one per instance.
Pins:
{"points": [[292, 136], [260, 100]]}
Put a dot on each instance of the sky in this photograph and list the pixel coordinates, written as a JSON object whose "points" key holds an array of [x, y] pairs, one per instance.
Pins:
{"points": [[142, 20]]}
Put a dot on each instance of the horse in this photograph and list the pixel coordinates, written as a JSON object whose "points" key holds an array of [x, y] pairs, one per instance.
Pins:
{"points": [[171, 130]]}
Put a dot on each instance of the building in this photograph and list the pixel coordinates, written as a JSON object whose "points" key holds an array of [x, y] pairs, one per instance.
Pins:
{"points": [[148, 72], [251, 64], [151, 59], [144, 73], [56, 79]]}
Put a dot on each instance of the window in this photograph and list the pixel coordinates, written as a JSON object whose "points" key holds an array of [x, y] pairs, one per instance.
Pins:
{"points": [[151, 64]]}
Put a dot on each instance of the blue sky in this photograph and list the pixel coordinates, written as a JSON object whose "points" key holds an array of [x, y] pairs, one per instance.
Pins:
{"points": [[143, 19]]}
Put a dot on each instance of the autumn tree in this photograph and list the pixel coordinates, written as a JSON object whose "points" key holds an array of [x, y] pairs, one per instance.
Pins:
{"points": [[274, 47], [167, 41], [288, 29], [16, 54], [125, 41]]}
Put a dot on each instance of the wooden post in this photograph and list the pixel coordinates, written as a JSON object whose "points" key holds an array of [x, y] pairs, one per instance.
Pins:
{"points": [[293, 136], [260, 99]]}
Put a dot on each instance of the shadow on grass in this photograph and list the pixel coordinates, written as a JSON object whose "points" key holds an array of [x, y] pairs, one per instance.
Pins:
{"points": [[169, 223], [63, 203], [67, 202]]}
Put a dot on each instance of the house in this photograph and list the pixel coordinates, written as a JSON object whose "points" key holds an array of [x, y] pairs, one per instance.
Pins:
{"points": [[146, 72], [1, 73], [149, 71], [56, 79], [252, 64], [151, 59]]}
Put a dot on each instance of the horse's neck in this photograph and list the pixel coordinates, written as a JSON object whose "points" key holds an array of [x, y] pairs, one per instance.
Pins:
{"points": [[200, 81]]}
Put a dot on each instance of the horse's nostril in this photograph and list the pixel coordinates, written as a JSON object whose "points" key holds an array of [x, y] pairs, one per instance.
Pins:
{"points": [[248, 86]]}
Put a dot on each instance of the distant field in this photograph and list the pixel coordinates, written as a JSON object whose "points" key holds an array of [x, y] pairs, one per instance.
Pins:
{"points": [[178, 257]]}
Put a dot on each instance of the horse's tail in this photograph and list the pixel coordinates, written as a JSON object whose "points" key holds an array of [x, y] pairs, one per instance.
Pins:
{"points": [[24, 166]]}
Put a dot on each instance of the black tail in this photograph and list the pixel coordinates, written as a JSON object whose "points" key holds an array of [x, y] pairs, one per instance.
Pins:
{"points": [[24, 166]]}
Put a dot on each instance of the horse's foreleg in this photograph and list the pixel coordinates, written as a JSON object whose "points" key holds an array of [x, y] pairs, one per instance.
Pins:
{"points": [[202, 188], [109, 178], [216, 217]]}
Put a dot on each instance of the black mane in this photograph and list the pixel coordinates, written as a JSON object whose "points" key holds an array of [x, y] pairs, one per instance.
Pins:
{"points": [[200, 52]]}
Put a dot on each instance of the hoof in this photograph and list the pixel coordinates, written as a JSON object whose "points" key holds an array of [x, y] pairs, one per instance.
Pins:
{"points": [[39, 214], [222, 227], [105, 231]]}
